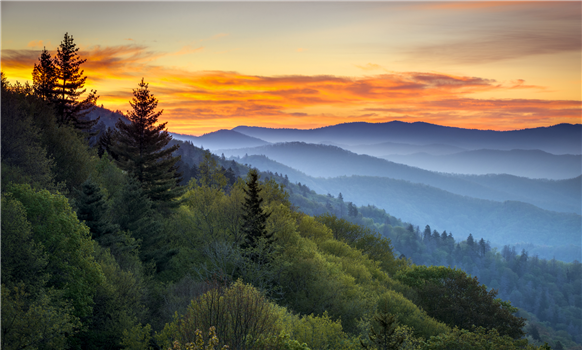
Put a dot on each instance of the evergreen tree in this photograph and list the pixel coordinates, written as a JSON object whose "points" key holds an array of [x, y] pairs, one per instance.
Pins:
{"points": [[384, 338], [426, 234], [105, 144], [44, 77], [133, 213], [93, 210], [69, 88], [471, 240], [254, 218], [141, 149]]}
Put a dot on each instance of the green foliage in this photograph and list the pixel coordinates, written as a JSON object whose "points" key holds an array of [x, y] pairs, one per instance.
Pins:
{"points": [[24, 157], [133, 212], [118, 305], [384, 335], [317, 332], [239, 312], [407, 313], [29, 322], [71, 265], [92, 209], [210, 173], [110, 178], [375, 246], [254, 219], [449, 295], [24, 260], [137, 338], [478, 339]]}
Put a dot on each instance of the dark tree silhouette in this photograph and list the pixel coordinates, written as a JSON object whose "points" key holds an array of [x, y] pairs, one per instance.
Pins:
{"points": [[140, 147], [44, 77], [69, 88]]}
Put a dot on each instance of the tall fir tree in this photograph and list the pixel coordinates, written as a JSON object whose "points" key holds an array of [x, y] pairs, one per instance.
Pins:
{"points": [[384, 337], [69, 88], [254, 218], [134, 214], [44, 77], [92, 208], [140, 147]]}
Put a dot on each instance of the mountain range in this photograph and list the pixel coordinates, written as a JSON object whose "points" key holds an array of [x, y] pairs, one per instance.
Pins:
{"points": [[557, 139]]}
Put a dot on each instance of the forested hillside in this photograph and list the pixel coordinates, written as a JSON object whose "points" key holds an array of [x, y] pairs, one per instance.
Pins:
{"points": [[330, 161], [500, 222], [138, 241]]}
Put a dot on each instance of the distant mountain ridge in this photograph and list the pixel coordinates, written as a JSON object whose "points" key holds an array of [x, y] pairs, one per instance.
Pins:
{"points": [[557, 139], [221, 139], [331, 161], [528, 163]]}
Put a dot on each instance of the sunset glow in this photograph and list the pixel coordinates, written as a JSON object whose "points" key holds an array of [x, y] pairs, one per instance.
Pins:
{"points": [[500, 66]]}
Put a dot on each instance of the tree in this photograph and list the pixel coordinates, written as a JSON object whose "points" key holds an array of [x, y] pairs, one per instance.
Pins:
{"points": [[241, 314], [453, 297], [44, 77], [254, 218], [24, 159], [141, 149], [92, 209], [69, 87], [384, 338], [133, 212], [71, 266], [479, 338]]}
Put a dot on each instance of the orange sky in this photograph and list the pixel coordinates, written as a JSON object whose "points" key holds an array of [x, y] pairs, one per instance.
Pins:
{"points": [[481, 78]]}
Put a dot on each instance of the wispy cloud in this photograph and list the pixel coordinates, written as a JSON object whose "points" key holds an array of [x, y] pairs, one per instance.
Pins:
{"points": [[38, 43], [370, 67], [497, 46]]}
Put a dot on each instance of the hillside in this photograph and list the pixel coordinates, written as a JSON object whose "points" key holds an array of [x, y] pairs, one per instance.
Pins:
{"points": [[508, 222]]}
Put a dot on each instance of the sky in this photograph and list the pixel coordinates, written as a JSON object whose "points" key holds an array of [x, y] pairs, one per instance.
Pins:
{"points": [[218, 65]]}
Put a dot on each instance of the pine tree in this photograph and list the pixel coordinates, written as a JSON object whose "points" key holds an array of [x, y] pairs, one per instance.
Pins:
{"points": [[44, 77], [69, 88], [384, 338], [254, 218], [133, 213], [141, 150], [93, 209]]}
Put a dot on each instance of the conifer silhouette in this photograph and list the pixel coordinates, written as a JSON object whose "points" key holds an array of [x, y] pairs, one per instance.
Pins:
{"points": [[140, 147], [69, 87]]}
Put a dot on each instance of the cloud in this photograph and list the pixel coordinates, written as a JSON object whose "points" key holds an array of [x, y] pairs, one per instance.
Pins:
{"points": [[207, 100], [370, 67], [499, 46], [38, 43]]}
